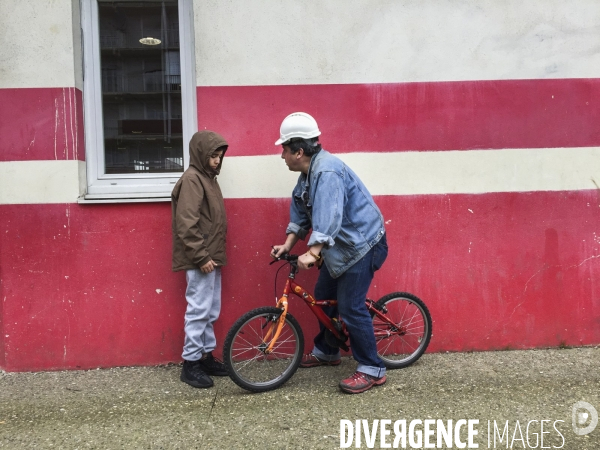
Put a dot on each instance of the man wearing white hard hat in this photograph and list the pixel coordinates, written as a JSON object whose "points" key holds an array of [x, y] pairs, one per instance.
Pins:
{"points": [[347, 234]]}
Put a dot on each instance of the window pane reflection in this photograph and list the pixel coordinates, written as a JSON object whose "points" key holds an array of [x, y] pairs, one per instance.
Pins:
{"points": [[141, 86]]}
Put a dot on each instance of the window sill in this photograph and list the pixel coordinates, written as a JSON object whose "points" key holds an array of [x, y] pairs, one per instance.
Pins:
{"points": [[123, 198]]}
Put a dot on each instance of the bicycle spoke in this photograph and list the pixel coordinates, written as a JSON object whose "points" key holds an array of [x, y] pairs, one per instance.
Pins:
{"points": [[416, 314], [412, 332], [274, 352], [247, 341], [249, 362], [259, 334], [384, 350], [246, 362], [279, 342], [403, 342], [240, 352]]}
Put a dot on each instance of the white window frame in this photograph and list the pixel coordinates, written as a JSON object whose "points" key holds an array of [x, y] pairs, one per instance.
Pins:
{"points": [[103, 187]]}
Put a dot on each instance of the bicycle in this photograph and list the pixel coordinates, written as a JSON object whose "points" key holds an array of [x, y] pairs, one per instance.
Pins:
{"points": [[264, 347]]}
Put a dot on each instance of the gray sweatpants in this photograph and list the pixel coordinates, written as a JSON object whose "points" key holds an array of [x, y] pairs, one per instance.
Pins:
{"points": [[203, 295]]}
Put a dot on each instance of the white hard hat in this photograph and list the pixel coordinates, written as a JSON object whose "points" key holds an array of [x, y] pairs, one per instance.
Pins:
{"points": [[298, 125]]}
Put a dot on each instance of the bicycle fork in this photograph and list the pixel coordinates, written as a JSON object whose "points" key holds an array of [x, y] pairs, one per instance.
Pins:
{"points": [[275, 328]]}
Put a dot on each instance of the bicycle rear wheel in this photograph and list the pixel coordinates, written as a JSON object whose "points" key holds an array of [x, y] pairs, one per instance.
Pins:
{"points": [[401, 344], [245, 351]]}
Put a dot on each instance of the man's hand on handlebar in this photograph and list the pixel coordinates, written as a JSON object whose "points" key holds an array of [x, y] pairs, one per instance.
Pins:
{"points": [[300, 261], [278, 250], [306, 261]]}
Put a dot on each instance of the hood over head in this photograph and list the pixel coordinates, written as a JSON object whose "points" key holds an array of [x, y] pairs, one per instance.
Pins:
{"points": [[202, 145]]}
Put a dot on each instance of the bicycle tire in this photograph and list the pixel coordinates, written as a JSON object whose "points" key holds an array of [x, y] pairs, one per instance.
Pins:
{"points": [[412, 318], [243, 352]]}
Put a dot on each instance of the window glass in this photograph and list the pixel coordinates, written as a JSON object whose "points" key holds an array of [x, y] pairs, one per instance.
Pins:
{"points": [[141, 87]]}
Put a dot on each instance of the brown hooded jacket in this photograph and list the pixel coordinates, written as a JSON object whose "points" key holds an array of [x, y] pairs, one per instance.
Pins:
{"points": [[198, 217]]}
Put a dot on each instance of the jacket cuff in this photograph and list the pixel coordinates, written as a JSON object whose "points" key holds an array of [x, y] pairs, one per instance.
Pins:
{"points": [[320, 238], [297, 230]]}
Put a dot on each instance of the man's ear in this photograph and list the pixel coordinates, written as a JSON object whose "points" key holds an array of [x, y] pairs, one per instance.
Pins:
{"points": [[300, 153]]}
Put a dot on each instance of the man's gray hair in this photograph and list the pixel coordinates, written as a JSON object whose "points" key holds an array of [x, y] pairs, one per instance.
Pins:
{"points": [[310, 146]]}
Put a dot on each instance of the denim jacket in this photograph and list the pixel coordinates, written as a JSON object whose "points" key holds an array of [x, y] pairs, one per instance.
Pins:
{"points": [[340, 210]]}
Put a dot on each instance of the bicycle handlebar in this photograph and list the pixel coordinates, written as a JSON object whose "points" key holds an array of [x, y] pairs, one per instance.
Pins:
{"points": [[289, 257], [292, 259], [286, 257]]}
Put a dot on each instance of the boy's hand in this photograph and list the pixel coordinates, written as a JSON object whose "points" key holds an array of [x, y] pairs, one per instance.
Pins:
{"points": [[209, 267]]}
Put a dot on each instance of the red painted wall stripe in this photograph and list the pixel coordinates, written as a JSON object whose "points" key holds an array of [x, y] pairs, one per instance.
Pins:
{"points": [[41, 124], [411, 116], [80, 283], [353, 117], [2, 335]]}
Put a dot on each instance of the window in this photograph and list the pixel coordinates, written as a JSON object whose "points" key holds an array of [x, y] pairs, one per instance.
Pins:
{"points": [[139, 96]]}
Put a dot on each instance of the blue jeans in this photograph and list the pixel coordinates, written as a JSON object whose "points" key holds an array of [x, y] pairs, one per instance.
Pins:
{"points": [[350, 290]]}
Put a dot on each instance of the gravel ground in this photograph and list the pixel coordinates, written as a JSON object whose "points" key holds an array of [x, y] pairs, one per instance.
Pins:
{"points": [[149, 408]]}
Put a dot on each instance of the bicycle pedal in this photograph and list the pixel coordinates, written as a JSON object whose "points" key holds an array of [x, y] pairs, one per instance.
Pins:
{"points": [[337, 324], [339, 328]]}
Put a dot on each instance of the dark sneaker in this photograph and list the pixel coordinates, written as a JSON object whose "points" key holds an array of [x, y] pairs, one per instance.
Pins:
{"points": [[192, 374], [360, 382], [213, 366], [311, 360]]}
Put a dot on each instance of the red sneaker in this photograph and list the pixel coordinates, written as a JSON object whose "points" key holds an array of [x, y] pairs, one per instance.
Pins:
{"points": [[360, 382], [311, 360]]}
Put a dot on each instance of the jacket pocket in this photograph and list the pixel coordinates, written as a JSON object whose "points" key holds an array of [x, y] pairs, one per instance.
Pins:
{"points": [[380, 252]]}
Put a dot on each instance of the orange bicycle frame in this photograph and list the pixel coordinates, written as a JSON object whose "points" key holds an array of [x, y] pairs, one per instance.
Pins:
{"points": [[315, 306]]}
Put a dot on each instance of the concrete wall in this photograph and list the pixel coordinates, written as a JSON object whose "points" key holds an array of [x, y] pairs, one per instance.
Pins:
{"points": [[475, 124], [41, 118], [265, 42]]}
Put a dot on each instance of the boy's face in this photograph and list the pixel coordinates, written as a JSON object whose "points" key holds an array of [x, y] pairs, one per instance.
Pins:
{"points": [[215, 159]]}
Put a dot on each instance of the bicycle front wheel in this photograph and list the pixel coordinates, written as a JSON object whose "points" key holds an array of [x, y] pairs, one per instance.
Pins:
{"points": [[405, 335], [250, 362]]}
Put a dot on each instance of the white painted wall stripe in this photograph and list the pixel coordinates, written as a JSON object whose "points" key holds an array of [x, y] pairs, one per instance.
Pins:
{"points": [[26, 182], [40, 44], [263, 42], [399, 173], [414, 173], [348, 41]]}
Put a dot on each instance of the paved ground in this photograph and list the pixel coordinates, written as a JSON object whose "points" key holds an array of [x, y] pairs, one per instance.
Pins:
{"points": [[149, 408]]}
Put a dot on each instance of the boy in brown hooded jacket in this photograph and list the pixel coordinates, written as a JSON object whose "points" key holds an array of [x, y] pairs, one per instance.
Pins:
{"points": [[199, 226]]}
